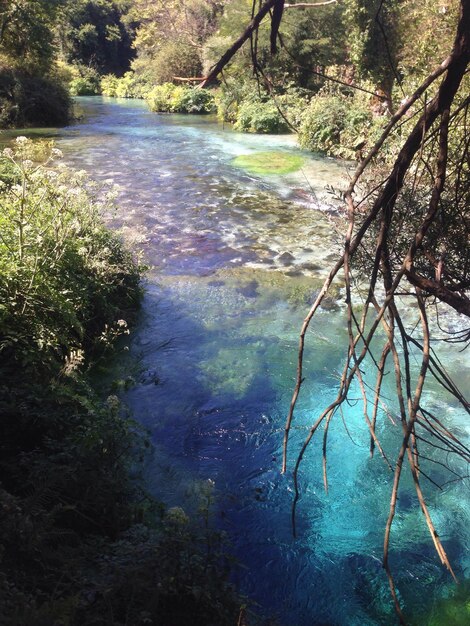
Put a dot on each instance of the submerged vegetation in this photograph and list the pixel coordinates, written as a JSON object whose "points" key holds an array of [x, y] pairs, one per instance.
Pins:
{"points": [[269, 162]]}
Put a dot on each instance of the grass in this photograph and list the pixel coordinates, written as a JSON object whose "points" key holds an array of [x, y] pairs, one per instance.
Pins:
{"points": [[269, 162]]}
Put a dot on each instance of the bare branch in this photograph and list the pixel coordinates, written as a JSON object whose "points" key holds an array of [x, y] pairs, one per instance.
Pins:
{"points": [[309, 5]]}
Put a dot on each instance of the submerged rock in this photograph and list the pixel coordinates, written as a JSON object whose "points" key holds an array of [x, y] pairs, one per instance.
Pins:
{"points": [[286, 258]]}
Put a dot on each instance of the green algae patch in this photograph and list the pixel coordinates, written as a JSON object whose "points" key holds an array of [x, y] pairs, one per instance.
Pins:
{"points": [[269, 162]]}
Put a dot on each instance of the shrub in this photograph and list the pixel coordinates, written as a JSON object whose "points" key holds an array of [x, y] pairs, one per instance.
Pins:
{"points": [[236, 103], [174, 57], [108, 85], [85, 82], [196, 100], [129, 86], [227, 103], [56, 255], [257, 116], [165, 98], [32, 101], [337, 125], [170, 98]]}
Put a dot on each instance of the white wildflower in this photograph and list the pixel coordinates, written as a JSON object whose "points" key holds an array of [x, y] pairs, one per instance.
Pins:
{"points": [[21, 141], [56, 153], [8, 152], [113, 402]]}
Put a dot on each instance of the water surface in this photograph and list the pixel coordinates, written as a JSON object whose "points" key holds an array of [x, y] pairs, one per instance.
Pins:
{"points": [[236, 259]]}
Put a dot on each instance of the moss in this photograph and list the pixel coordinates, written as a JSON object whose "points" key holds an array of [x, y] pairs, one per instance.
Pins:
{"points": [[269, 162]]}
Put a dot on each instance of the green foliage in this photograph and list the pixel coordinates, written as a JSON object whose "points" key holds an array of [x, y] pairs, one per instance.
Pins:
{"points": [[173, 58], [338, 125], [130, 85], [258, 116], [375, 41], [97, 34], [196, 100], [32, 101], [109, 85], [252, 110], [165, 98], [56, 255], [170, 35], [170, 98], [426, 31], [27, 40], [30, 92], [85, 81]]}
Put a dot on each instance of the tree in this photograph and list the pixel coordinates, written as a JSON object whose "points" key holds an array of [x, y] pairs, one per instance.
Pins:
{"points": [[26, 33], [311, 41], [170, 36], [373, 34], [412, 228], [29, 92], [98, 34]]}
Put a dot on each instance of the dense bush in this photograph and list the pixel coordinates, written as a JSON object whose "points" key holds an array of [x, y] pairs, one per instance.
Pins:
{"points": [[195, 100], [55, 254], [338, 125], [130, 85], [85, 81], [173, 58], [165, 98], [252, 110], [32, 101], [170, 98], [257, 116]]}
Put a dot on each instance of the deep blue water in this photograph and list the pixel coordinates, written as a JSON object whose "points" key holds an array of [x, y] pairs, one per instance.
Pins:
{"points": [[236, 259]]}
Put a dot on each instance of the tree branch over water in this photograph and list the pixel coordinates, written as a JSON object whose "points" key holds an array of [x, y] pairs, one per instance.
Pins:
{"points": [[406, 235]]}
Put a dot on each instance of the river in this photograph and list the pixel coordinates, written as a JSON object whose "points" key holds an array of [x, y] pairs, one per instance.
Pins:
{"points": [[235, 261]]}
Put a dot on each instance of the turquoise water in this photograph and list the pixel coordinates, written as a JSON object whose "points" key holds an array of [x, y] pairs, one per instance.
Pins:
{"points": [[235, 261]]}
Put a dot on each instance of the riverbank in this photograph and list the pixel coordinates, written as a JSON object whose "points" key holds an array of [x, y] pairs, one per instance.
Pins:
{"points": [[81, 541]]}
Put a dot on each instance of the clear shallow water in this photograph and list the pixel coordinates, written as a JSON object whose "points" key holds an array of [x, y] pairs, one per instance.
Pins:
{"points": [[235, 261]]}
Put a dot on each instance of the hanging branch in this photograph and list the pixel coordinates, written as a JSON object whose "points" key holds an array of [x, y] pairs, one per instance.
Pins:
{"points": [[309, 5], [277, 6], [400, 262], [229, 54]]}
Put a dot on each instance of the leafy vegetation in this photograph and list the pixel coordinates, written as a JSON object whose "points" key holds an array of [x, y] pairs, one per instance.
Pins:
{"points": [[170, 98], [75, 529], [338, 124]]}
